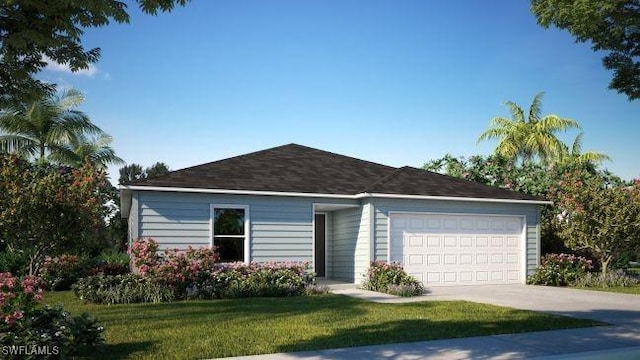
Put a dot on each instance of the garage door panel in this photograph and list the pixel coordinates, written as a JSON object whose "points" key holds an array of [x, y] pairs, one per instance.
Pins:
{"points": [[415, 241], [433, 241], [482, 241], [416, 259], [445, 249], [450, 241], [466, 241], [450, 259]]}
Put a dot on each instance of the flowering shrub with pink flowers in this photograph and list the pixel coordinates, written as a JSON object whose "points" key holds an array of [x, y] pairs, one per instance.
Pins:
{"points": [[560, 270], [391, 278], [194, 274], [24, 324], [18, 296], [61, 271]]}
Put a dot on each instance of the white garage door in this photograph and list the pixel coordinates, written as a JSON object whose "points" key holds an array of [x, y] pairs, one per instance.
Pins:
{"points": [[443, 249]]}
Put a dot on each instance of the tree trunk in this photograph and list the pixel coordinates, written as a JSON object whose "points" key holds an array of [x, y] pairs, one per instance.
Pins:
{"points": [[604, 263]]}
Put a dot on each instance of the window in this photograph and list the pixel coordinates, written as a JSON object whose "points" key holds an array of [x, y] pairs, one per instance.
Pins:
{"points": [[230, 232]]}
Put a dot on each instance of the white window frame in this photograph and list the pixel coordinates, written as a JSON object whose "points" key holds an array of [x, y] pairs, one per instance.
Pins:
{"points": [[247, 226]]}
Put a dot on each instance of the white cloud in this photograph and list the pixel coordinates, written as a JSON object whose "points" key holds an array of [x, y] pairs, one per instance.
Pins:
{"points": [[54, 66]]}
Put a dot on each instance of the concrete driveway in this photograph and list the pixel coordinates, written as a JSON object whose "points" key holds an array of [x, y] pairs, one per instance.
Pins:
{"points": [[612, 308]]}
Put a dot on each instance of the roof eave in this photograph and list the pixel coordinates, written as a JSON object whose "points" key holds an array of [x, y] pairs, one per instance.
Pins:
{"points": [[454, 198], [124, 188]]}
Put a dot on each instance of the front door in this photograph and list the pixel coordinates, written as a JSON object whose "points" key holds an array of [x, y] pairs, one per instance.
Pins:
{"points": [[320, 241]]}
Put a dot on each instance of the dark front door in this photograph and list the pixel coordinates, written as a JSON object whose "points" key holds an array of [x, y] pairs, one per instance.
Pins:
{"points": [[320, 241]]}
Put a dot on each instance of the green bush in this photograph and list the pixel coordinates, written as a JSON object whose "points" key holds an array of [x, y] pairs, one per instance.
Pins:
{"points": [[14, 261], [112, 256], [54, 331], [616, 278], [122, 289], [263, 281], [560, 270], [108, 269], [391, 278], [27, 331], [314, 289], [196, 273], [60, 272]]}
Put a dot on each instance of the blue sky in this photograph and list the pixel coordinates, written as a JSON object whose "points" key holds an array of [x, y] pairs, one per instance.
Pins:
{"points": [[395, 82]]}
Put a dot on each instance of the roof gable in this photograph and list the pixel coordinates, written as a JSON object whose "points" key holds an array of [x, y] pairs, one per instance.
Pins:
{"points": [[294, 168]]}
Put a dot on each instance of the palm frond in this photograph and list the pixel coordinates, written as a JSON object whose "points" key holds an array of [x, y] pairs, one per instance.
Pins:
{"points": [[553, 123], [576, 149], [593, 157], [17, 144], [517, 114], [536, 108], [69, 99]]}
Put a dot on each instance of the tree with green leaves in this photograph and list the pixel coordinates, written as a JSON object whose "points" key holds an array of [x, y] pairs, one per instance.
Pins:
{"points": [[34, 32], [599, 218], [45, 126], [94, 150], [612, 26], [46, 210], [528, 137], [135, 172], [575, 154], [157, 169]]}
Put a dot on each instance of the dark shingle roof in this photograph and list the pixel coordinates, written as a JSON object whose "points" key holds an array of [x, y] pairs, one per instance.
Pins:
{"points": [[300, 169]]}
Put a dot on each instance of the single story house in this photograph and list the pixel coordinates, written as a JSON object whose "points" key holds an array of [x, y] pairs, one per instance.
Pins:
{"points": [[295, 203]]}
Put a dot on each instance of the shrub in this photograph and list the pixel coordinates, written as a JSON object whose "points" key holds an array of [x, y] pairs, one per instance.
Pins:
{"points": [[112, 256], [122, 289], [560, 270], [406, 290], [47, 329], [144, 253], [267, 280], [195, 274], [314, 289], [108, 269], [391, 278], [616, 278], [62, 271], [14, 261]]}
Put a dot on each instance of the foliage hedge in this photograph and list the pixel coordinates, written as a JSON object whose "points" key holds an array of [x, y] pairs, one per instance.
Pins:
{"points": [[48, 329], [391, 278], [560, 270], [193, 274]]}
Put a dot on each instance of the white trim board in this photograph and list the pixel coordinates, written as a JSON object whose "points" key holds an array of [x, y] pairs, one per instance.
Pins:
{"points": [[334, 196]]}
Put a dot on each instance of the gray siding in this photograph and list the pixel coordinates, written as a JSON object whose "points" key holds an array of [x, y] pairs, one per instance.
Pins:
{"points": [[281, 228], [531, 213], [346, 224], [133, 219], [329, 247], [362, 254]]}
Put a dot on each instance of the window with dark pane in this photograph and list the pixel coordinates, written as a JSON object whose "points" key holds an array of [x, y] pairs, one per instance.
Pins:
{"points": [[229, 232]]}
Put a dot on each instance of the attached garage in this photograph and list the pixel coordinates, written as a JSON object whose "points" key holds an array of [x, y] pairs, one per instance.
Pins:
{"points": [[459, 249]]}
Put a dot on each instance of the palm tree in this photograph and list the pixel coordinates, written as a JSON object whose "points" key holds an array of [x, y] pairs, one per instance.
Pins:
{"points": [[575, 154], [95, 150], [45, 126], [530, 138]]}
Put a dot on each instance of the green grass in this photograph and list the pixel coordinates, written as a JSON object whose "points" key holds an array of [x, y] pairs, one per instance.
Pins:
{"points": [[218, 328], [618, 289]]}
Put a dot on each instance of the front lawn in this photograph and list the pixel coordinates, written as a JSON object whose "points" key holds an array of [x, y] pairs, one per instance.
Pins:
{"points": [[617, 289], [219, 328]]}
